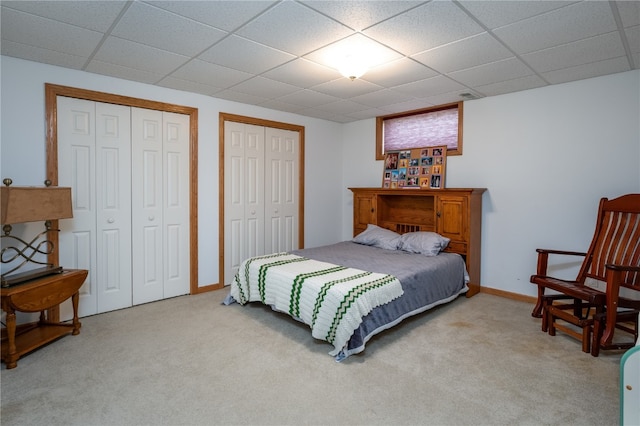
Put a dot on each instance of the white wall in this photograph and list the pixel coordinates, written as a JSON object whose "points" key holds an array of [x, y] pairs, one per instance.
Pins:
{"points": [[546, 157], [23, 150]]}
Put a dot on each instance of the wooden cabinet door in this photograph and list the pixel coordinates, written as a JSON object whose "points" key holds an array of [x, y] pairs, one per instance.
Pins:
{"points": [[364, 212], [452, 217]]}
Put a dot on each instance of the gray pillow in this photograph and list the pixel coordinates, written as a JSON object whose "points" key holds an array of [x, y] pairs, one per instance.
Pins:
{"points": [[427, 243], [378, 237]]}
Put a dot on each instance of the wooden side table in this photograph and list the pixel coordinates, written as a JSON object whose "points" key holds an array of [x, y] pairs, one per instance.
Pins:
{"points": [[39, 295]]}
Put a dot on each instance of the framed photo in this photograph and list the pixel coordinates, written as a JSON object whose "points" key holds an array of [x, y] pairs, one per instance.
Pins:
{"points": [[415, 168]]}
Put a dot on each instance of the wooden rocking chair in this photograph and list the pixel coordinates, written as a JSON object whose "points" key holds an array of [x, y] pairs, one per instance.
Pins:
{"points": [[612, 262]]}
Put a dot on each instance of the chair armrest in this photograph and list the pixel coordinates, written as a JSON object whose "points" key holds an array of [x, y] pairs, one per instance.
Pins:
{"points": [[570, 253], [543, 258], [628, 268]]}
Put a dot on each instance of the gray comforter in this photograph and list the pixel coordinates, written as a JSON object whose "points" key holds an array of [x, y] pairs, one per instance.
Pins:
{"points": [[426, 281]]}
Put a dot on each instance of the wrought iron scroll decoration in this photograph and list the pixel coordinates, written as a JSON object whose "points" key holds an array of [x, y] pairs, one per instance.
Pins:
{"points": [[30, 249]]}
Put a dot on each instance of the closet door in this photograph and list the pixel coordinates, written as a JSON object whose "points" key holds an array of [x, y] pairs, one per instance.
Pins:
{"points": [[160, 194], [76, 169], [94, 160], [281, 190], [176, 249], [113, 206], [130, 193], [244, 194], [146, 195]]}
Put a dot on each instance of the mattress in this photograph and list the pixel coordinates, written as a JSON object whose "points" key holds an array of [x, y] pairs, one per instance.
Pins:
{"points": [[427, 281]]}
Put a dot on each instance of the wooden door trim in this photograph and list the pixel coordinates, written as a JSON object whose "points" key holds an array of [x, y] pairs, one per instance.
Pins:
{"points": [[52, 91], [265, 123]]}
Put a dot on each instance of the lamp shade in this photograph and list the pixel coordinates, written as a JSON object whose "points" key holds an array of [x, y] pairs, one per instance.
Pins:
{"points": [[33, 204]]}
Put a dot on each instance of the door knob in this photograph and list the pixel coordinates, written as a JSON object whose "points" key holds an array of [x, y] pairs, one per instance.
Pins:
{"points": [[111, 220], [152, 218]]}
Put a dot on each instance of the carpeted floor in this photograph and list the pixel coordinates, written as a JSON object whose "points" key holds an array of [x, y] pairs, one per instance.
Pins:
{"points": [[192, 361]]}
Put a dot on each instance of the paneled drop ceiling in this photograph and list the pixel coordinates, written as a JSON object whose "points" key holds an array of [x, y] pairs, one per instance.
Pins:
{"points": [[278, 54]]}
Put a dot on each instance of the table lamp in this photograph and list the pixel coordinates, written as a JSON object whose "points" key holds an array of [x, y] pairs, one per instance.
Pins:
{"points": [[21, 204]]}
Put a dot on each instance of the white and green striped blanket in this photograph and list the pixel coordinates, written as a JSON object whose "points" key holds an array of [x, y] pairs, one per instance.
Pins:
{"points": [[331, 299]]}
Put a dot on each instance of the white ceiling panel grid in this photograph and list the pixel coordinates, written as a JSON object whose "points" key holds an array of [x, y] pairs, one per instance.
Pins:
{"points": [[281, 54]]}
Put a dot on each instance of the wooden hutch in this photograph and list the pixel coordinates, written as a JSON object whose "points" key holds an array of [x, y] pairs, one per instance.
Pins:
{"points": [[455, 213]]}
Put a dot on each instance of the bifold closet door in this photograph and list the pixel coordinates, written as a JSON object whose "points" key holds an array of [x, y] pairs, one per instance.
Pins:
{"points": [[94, 159], [160, 205], [281, 190], [261, 175], [129, 173], [244, 194]]}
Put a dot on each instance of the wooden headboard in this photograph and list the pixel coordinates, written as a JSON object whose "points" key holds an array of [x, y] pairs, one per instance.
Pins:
{"points": [[452, 213]]}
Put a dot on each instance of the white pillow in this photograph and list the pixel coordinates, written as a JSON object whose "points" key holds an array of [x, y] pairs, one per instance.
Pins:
{"points": [[378, 237], [427, 243]]}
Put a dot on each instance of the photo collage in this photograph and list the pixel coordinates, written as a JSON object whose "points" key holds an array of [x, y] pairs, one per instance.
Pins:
{"points": [[415, 168]]}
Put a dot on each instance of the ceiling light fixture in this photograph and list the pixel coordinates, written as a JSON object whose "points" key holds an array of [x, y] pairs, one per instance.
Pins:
{"points": [[352, 67]]}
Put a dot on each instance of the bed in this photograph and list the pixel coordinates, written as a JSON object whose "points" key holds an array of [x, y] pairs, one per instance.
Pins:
{"points": [[398, 275]]}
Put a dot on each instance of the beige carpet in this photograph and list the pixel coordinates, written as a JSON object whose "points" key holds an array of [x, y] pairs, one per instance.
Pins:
{"points": [[192, 361]]}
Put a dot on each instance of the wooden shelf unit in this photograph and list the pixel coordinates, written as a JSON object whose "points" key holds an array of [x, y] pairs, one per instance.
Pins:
{"points": [[454, 213], [39, 295]]}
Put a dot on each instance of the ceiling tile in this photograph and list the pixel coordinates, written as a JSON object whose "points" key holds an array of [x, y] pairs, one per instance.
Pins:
{"points": [[280, 106], [426, 27], [265, 88], [46, 56], [245, 55], [307, 32], [232, 95], [381, 98], [302, 73], [398, 72], [430, 86], [92, 15], [633, 37], [593, 69], [507, 69], [629, 12], [308, 98], [368, 113], [33, 30], [494, 14], [560, 26], [342, 107], [119, 71], [226, 15], [359, 15], [585, 51], [502, 87], [466, 53], [447, 98], [210, 74], [345, 88], [409, 105], [325, 115], [138, 56], [155, 27], [188, 86]]}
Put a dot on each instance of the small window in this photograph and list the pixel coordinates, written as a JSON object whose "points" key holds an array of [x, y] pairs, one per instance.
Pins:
{"points": [[440, 125]]}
